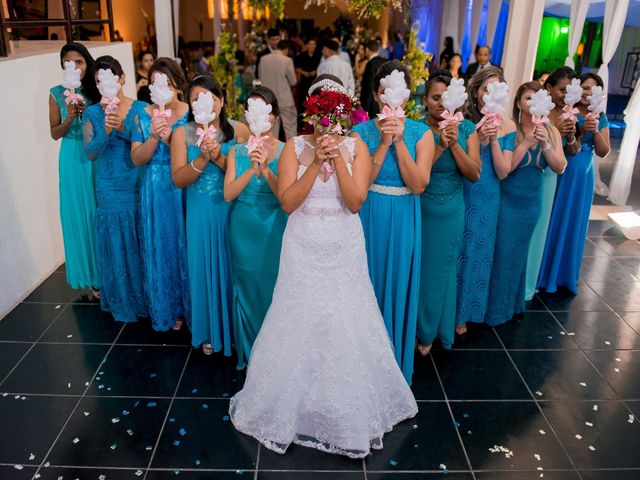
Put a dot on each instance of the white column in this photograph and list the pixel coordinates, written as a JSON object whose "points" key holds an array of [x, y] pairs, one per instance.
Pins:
{"points": [[615, 13], [493, 12], [521, 42], [164, 28], [476, 17], [576, 22], [217, 26], [176, 24]]}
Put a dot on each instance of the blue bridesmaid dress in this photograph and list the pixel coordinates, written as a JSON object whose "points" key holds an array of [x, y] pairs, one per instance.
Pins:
{"points": [[77, 202], [117, 215], [482, 202], [162, 231], [391, 223], [256, 226], [520, 206], [443, 213], [208, 252], [570, 218]]}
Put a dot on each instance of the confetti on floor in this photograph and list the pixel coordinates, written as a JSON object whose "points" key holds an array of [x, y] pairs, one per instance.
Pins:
{"points": [[588, 424]]}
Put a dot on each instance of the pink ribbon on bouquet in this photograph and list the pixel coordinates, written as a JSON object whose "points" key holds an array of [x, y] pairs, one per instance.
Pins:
{"points": [[326, 167], [388, 112], [162, 113], [569, 112], [489, 116], [255, 142], [449, 118], [110, 103], [539, 120], [72, 98], [210, 131]]}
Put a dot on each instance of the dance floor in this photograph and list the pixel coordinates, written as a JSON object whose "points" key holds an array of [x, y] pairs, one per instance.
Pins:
{"points": [[553, 394]]}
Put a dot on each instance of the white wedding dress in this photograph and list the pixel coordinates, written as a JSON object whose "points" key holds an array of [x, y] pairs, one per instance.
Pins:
{"points": [[322, 372]]}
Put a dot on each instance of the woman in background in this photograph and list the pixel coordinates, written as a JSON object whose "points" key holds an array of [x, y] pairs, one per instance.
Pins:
{"points": [[143, 78]]}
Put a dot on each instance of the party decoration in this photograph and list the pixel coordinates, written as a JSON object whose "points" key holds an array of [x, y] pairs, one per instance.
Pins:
{"points": [[71, 81], [257, 116], [597, 102], [453, 98], [395, 94], [572, 96], [203, 114], [495, 104], [108, 86], [540, 106]]}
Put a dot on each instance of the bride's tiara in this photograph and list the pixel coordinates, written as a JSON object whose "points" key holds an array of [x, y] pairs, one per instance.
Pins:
{"points": [[326, 84]]}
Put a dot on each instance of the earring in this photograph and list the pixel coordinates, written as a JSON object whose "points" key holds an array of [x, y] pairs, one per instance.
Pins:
{"points": [[520, 116]]}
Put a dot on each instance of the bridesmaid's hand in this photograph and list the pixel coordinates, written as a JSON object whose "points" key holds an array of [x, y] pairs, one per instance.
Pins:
{"points": [[541, 135], [158, 126], [209, 149], [259, 160], [450, 132], [113, 121], [568, 128], [591, 125], [487, 132]]}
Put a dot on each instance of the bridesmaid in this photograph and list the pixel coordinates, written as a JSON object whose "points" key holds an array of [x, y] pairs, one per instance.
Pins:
{"points": [[117, 243], [162, 229], [482, 201], [574, 195], [402, 150], [457, 156], [256, 226], [556, 84], [201, 171], [520, 206], [77, 196]]}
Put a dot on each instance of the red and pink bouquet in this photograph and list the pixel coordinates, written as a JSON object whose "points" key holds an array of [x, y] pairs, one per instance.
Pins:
{"points": [[330, 110]]}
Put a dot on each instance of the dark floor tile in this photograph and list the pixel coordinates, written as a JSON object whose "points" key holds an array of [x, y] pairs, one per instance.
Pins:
{"points": [[142, 333], [415, 445], [310, 476], [632, 319], [599, 269], [548, 474], [598, 330], [610, 474], [30, 426], [303, 458], [535, 304], [535, 330], [143, 371], [635, 408], [206, 438], [564, 301], [425, 384], [54, 289], [10, 354], [591, 250], [73, 473], [62, 268], [516, 426], [616, 442], [419, 476], [27, 321], [83, 323], [620, 368], [602, 228], [480, 336], [618, 247], [630, 264], [558, 374], [62, 369], [195, 475], [210, 376], [13, 473], [621, 298], [479, 375], [117, 432]]}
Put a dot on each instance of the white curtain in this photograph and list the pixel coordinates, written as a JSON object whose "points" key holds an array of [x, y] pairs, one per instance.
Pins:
{"points": [[623, 172], [576, 22], [164, 28], [615, 13], [476, 17], [493, 12]]}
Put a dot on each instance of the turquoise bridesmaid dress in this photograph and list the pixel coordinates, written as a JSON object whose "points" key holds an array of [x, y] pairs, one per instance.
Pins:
{"points": [[482, 202], [520, 207], [539, 237], [570, 218], [442, 205], [208, 252], [391, 223], [162, 231], [117, 216], [256, 226], [77, 203]]}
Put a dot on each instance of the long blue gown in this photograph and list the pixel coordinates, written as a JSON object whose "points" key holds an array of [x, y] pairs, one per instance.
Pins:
{"points": [[482, 202], [256, 226], [117, 240], [442, 205], [77, 202], [520, 206], [162, 231], [208, 252], [570, 218], [391, 223]]}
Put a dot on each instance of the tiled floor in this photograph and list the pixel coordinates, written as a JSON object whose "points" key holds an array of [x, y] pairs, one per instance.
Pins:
{"points": [[554, 393]]}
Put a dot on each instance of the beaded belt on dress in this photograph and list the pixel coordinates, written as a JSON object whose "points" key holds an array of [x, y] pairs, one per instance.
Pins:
{"points": [[385, 190]]}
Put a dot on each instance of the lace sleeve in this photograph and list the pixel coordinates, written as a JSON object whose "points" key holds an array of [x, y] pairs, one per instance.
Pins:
{"points": [[95, 138], [137, 135]]}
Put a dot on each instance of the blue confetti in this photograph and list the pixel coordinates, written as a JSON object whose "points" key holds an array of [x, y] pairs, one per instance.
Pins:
{"points": [[171, 420], [100, 387], [197, 462], [225, 395], [153, 375], [137, 403], [393, 463], [176, 471], [195, 390], [225, 418], [149, 447], [182, 432], [239, 472], [456, 424], [109, 388], [114, 446], [176, 443], [469, 432], [465, 415], [130, 432], [151, 404], [204, 405], [125, 412], [139, 350]]}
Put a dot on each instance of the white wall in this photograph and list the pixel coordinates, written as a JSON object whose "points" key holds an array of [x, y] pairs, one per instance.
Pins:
{"points": [[30, 236]]}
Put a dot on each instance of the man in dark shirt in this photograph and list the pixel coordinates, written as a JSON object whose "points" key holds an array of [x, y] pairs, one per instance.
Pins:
{"points": [[482, 60], [366, 93]]}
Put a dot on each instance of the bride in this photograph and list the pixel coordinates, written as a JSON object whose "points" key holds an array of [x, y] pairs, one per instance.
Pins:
{"points": [[322, 372]]}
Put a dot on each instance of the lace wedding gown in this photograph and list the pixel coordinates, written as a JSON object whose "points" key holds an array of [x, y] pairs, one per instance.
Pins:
{"points": [[322, 372]]}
